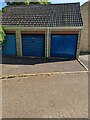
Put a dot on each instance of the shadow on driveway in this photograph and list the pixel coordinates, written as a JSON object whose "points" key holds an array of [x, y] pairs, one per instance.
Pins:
{"points": [[30, 61], [15, 65]]}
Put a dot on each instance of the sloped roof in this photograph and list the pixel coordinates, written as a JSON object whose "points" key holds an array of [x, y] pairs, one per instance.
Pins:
{"points": [[52, 15], [88, 2]]}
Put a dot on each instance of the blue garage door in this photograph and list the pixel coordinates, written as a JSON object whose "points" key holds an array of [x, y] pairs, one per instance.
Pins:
{"points": [[63, 46], [9, 47], [33, 45]]}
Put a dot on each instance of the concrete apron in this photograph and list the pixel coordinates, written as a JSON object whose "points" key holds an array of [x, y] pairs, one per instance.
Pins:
{"points": [[48, 73]]}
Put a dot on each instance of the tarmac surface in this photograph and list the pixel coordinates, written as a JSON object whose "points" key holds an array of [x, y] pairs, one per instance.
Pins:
{"points": [[62, 95], [0, 99], [15, 66], [85, 60], [53, 96]]}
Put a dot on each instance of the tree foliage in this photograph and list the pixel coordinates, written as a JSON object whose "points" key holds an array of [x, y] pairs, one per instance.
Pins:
{"points": [[27, 2], [2, 10], [2, 35], [16, 3]]}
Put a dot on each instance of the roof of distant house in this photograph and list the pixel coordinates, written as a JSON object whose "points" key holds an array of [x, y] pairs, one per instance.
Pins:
{"points": [[88, 2]]}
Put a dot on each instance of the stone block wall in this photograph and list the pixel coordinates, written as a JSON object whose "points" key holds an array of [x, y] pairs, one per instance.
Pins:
{"points": [[84, 45]]}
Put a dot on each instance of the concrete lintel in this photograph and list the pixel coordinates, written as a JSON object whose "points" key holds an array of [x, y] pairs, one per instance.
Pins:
{"points": [[40, 28], [24, 28], [65, 28]]}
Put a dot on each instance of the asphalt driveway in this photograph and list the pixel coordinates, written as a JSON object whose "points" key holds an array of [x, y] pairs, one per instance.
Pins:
{"points": [[55, 96], [0, 99], [63, 95], [15, 65]]}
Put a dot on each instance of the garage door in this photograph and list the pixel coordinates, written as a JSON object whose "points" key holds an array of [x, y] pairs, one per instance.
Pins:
{"points": [[33, 45], [63, 46], [9, 47]]}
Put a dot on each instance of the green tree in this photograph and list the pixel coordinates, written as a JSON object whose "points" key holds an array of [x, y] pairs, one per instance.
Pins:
{"points": [[2, 35], [27, 2], [16, 3], [44, 2]]}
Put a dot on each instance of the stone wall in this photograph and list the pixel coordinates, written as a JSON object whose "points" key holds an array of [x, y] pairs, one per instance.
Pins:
{"points": [[84, 45]]}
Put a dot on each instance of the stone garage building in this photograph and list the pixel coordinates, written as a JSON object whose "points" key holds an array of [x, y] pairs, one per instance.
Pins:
{"points": [[43, 30], [85, 44]]}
